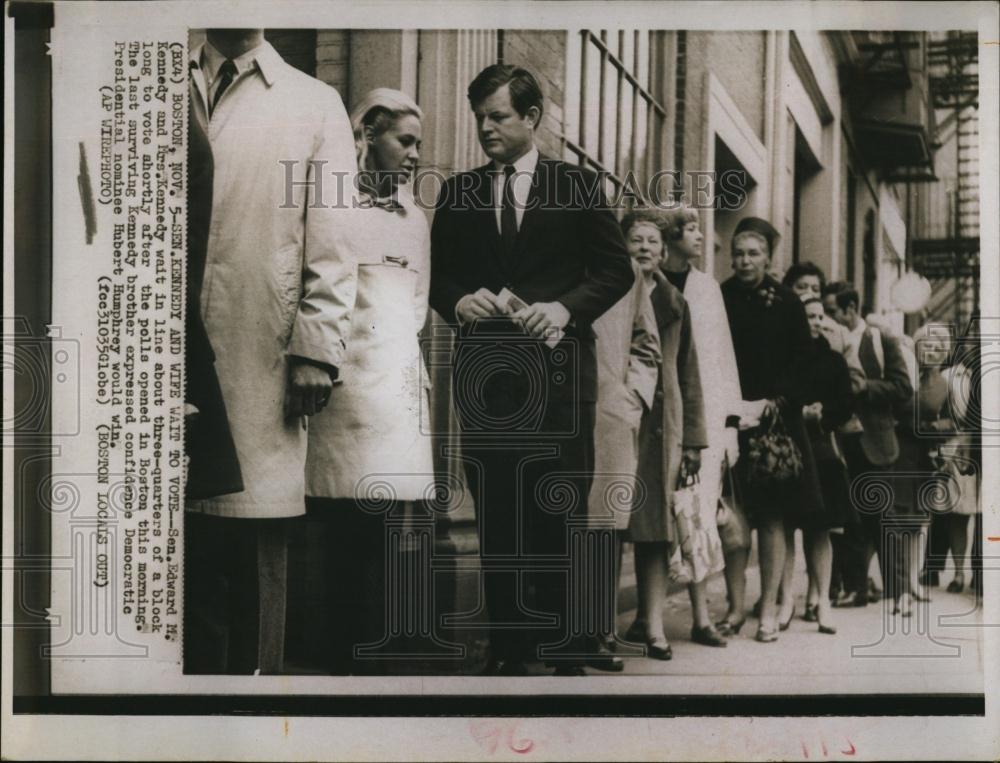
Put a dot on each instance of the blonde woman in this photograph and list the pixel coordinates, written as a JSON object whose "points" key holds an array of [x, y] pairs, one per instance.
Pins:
{"points": [[370, 450], [717, 366]]}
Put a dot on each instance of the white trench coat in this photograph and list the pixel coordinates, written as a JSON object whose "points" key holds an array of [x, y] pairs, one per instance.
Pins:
{"points": [[372, 442], [279, 279], [720, 379]]}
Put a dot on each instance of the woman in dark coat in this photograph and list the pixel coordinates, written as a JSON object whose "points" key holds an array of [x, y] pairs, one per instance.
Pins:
{"points": [[824, 386], [770, 332]]}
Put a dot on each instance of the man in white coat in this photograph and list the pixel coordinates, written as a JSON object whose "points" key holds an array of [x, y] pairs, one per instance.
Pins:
{"points": [[276, 297]]}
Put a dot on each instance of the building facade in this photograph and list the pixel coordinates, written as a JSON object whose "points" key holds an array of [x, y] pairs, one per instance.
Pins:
{"points": [[832, 136], [832, 131]]}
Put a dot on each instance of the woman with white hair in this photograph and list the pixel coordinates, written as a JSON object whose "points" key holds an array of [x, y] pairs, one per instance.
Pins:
{"points": [[944, 392], [370, 449]]}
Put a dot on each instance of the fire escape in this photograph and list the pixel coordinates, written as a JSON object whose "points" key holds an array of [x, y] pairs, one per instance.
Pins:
{"points": [[945, 243], [891, 116], [890, 123]]}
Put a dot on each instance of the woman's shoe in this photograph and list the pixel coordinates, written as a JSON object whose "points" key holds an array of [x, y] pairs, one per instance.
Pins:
{"points": [[810, 615], [920, 596], [829, 630], [788, 623], [766, 636], [957, 585], [659, 650], [707, 636], [729, 628]]}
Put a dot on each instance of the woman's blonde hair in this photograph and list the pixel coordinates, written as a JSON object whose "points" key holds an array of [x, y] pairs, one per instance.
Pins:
{"points": [[378, 110], [675, 220]]}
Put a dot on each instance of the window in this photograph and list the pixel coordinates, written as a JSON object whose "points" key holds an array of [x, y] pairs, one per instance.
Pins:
{"points": [[805, 167], [868, 254], [615, 119], [733, 195], [852, 212]]}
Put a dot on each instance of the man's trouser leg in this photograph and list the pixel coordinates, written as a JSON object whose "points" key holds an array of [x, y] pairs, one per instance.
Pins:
{"points": [[492, 477], [853, 543], [272, 567], [235, 594], [557, 491]]}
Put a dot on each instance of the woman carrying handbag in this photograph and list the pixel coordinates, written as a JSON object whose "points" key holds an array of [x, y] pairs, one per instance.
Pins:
{"points": [[769, 330], [671, 439]]}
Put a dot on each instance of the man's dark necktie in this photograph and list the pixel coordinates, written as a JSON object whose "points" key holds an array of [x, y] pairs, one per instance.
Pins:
{"points": [[227, 73], [508, 215]]}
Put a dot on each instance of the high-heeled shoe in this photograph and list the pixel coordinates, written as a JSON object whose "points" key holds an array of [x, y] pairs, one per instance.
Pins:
{"points": [[707, 636], [659, 650], [810, 615], [829, 630], [788, 623], [957, 585], [765, 636], [729, 628]]}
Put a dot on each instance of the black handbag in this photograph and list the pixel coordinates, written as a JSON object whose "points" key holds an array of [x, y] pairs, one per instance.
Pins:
{"points": [[772, 455]]}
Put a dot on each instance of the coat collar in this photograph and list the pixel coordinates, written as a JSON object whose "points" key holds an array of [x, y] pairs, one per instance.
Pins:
{"points": [[264, 57]]}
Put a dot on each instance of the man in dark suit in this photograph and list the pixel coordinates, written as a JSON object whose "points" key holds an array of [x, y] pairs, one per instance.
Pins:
{"points": [[525, 371]]}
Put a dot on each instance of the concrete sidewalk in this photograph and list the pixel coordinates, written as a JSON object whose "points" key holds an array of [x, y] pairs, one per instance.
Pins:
{"points": [[938, 649]]}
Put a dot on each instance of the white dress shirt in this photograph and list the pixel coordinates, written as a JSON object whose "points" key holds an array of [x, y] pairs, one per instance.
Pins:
{"points": [[212, 60], [524, 172]]}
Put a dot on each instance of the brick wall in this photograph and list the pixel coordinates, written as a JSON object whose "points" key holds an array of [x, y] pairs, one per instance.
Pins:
{"points": [[296, 46], [738, 60], [333, 48], [544, 54]]}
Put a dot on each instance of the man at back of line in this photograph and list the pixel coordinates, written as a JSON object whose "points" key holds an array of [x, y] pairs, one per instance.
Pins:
{"points": [[869, 438]]}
